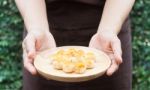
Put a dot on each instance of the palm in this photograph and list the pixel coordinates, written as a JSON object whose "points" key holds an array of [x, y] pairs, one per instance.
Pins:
{"points": [[33, 43], [109, 44], [45, 42]]}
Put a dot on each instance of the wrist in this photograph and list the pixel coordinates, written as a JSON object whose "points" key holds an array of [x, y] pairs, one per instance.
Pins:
{"points": [[37, 29], [113, 30], [108, 32]]}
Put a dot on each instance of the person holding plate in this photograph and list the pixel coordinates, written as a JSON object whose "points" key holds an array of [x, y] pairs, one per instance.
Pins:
{"points": [[100, 24]]}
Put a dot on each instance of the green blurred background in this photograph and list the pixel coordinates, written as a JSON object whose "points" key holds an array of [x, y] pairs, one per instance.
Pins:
{"points": [[11, 27]]}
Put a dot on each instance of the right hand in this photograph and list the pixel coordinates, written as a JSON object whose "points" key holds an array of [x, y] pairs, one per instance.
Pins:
{"points": [[108, 42], [35, 41]]}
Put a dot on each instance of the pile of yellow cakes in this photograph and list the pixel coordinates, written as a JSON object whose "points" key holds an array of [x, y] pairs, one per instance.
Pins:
{"points": [[73, 60]]}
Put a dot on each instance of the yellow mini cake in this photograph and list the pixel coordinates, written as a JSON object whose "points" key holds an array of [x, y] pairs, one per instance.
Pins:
{"points": [[73, 60]]}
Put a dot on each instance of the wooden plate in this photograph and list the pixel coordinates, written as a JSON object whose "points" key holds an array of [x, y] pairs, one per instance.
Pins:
{"points": [[43, 66]]}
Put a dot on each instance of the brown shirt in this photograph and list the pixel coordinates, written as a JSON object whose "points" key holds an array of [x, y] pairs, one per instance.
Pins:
{"points": [[74, 14], [92, 2]]}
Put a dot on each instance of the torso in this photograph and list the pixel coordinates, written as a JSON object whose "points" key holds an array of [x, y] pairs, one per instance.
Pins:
{"points": [[74, 14], [92, 2], [73, 22]]}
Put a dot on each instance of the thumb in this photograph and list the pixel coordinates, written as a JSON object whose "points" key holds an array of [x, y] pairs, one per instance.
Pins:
{"points": [[51, 41], [38, 44], [116, 47], [95, 42]]}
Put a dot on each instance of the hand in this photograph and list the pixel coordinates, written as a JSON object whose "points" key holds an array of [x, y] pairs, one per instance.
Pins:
{"points": [[34, 42], [109, 43]]}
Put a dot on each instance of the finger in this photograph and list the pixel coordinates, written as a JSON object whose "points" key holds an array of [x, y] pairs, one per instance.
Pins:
{"points": [[51, 42], [94, 42], [116, 46], [114, 67], [30, 46], [28, 63], [29, 66]]}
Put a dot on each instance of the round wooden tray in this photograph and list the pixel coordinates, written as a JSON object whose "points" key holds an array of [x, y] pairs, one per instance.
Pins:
{"points": [[43, 66]]}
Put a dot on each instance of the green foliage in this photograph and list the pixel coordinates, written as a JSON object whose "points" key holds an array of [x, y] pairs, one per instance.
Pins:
{"points": [[10, 46], [141, 45], [11, 27]]}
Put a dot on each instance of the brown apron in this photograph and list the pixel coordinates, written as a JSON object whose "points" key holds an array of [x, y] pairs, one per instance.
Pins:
{"points": [[74, 23]]}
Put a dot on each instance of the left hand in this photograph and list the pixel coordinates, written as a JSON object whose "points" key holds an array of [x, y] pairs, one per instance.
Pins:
{"points": [[36, 41], [109, 43]]}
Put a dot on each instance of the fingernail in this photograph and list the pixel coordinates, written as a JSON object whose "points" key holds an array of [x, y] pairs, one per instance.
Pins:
{"points": [[34, 72], [31, 55], [109, 73], [120, 58]]}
